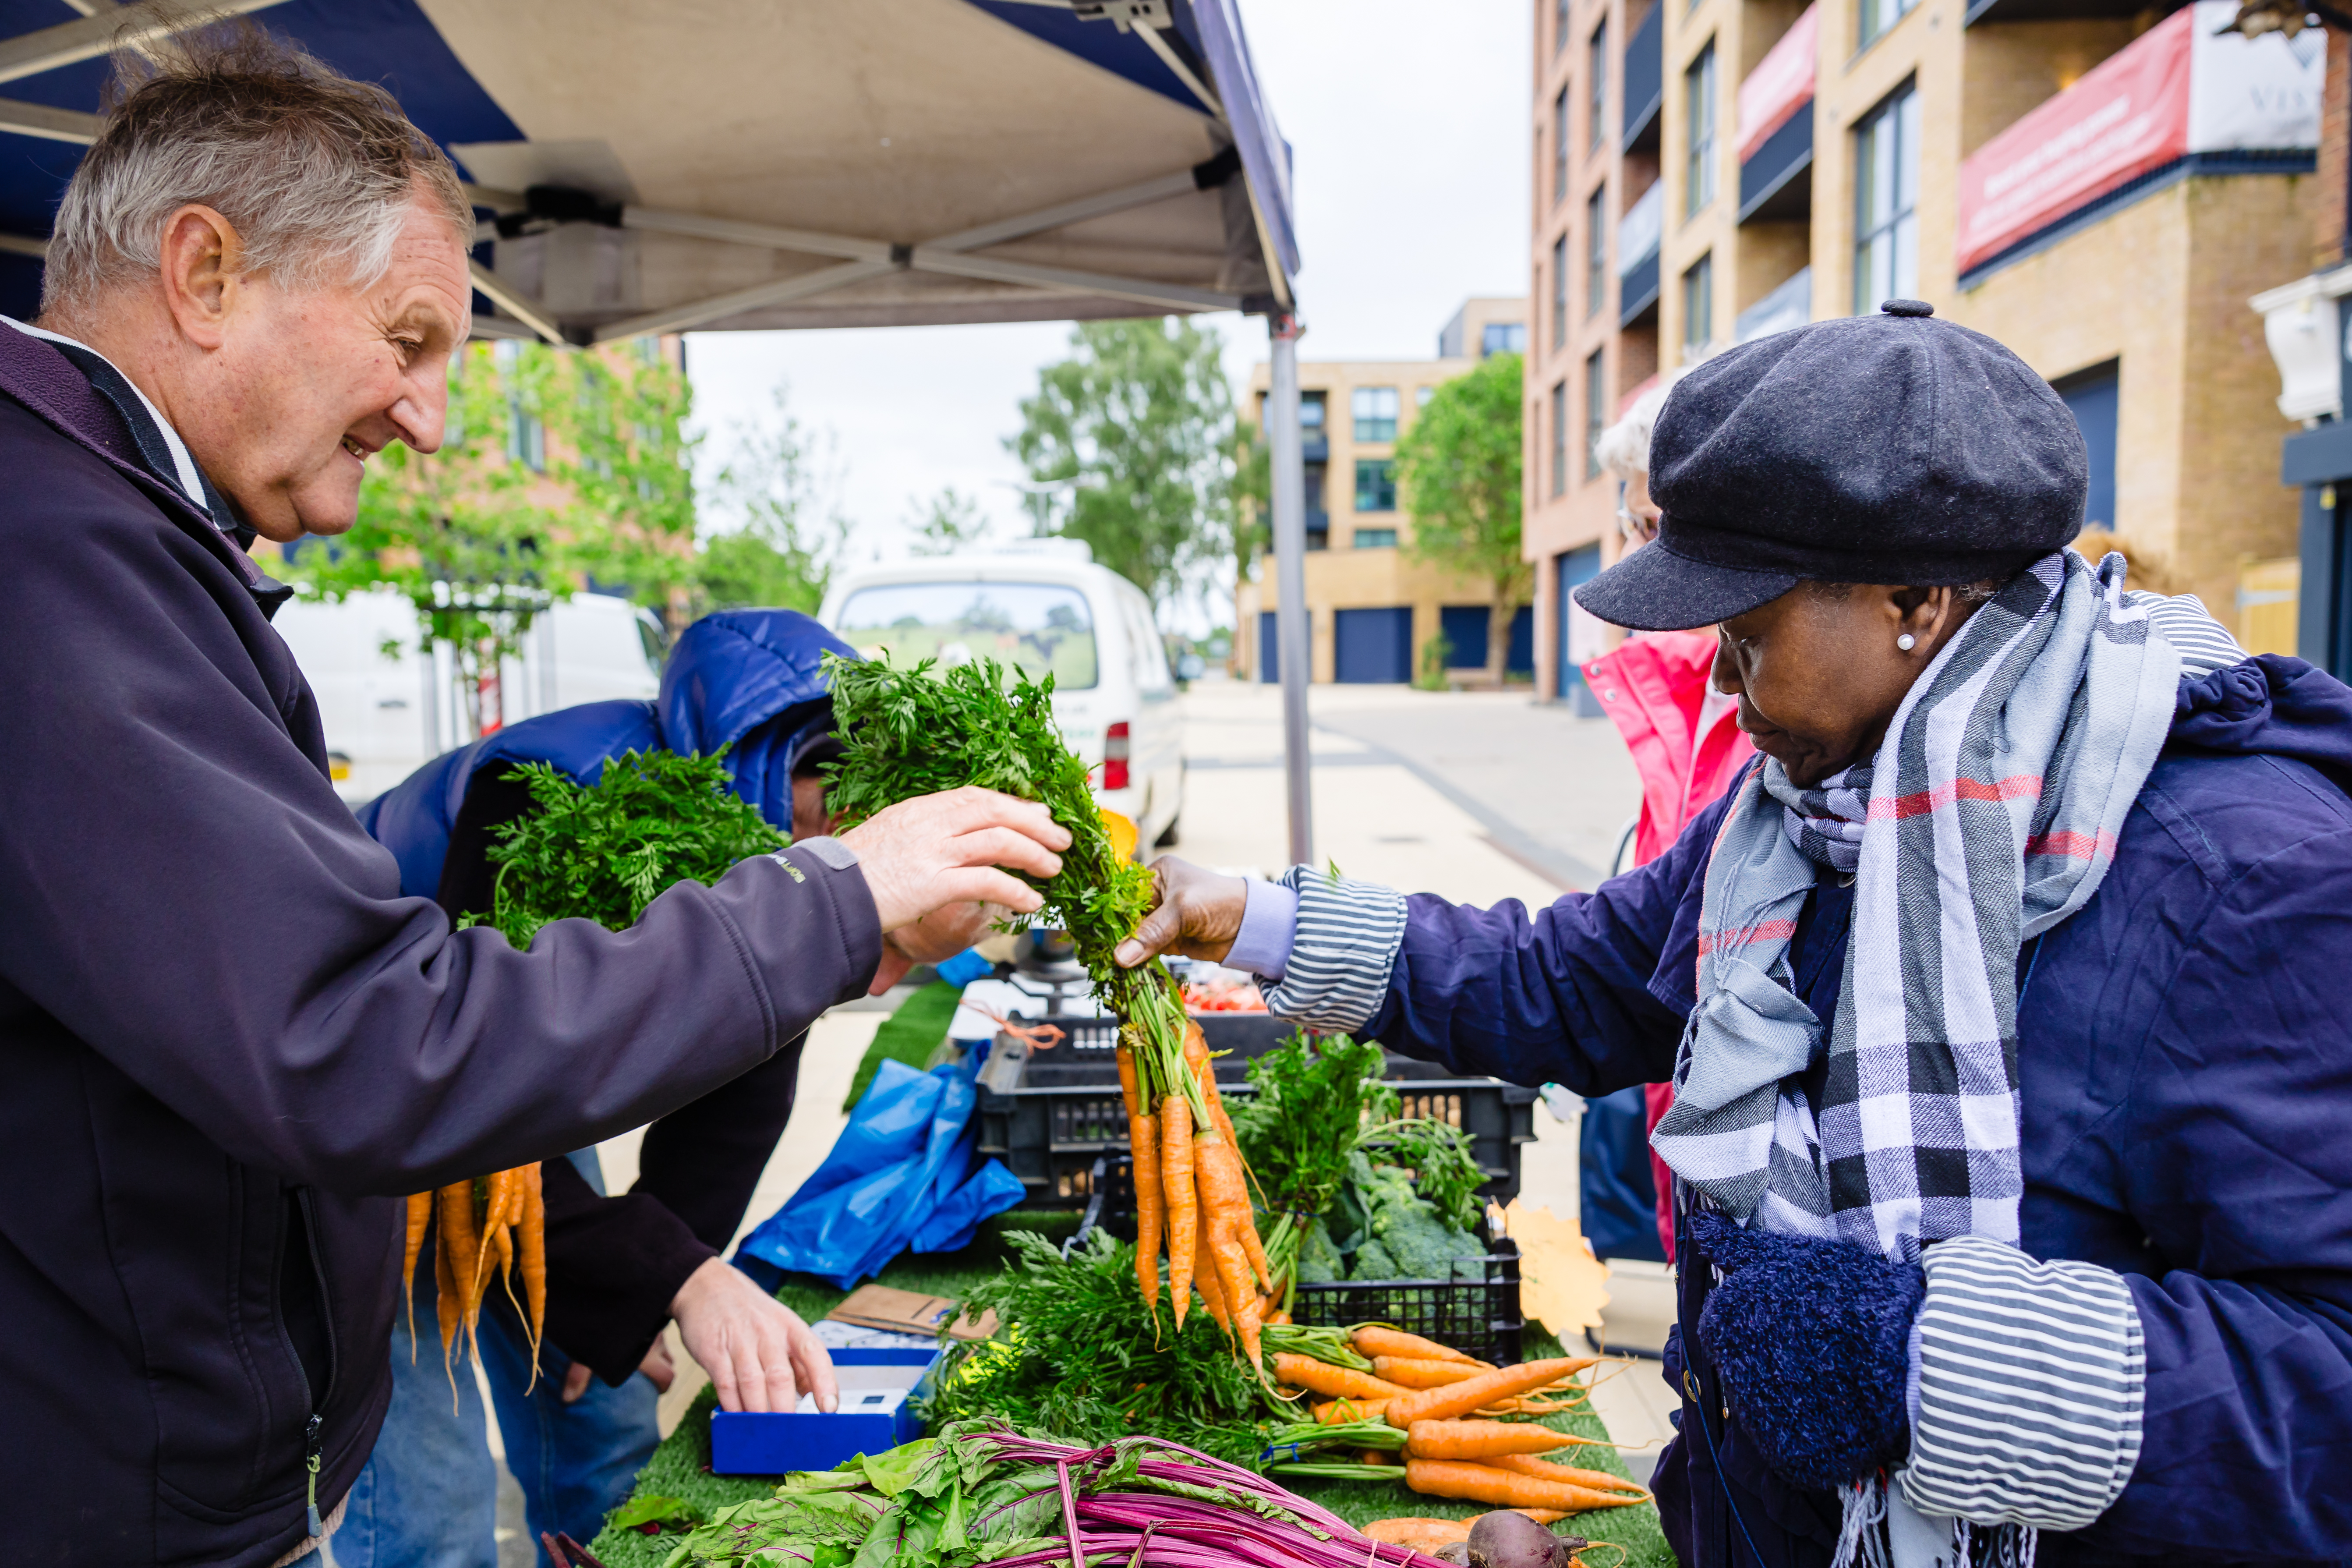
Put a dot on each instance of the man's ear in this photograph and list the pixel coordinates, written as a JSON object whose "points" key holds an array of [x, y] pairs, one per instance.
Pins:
{"points": [[203, 273]]}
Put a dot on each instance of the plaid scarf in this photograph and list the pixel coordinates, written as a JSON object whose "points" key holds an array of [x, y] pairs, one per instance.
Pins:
{"points": [[1991, 813]]}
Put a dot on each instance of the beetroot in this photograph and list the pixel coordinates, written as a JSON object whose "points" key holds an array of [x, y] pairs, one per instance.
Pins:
{"points": [[1508, 1540]]}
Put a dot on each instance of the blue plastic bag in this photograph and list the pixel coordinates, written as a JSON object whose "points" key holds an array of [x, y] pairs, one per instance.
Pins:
{"points": [[899, 1175]]}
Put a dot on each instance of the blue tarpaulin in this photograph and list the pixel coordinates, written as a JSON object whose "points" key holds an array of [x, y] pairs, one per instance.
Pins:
{"points": [[900, 1176]]}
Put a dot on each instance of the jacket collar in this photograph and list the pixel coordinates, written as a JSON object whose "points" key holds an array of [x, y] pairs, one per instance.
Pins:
{"points": [[79, 393]]}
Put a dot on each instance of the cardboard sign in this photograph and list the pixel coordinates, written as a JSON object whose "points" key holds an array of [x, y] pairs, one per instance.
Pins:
{"points": [[907, 1313]]}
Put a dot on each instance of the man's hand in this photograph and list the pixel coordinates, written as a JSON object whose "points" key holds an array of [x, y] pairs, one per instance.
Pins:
{"points": [[922, 855], [1194, 912], [937, 937], [759, 1353]]}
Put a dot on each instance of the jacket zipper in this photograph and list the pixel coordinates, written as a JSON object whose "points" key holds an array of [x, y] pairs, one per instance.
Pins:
{"points": [[314, 1428]]}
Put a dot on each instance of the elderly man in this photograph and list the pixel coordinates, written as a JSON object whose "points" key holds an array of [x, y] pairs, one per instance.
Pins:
{"points": [[225, 1037]]}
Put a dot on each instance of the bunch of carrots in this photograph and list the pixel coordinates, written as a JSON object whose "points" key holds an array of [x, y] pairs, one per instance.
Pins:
{"points": [[496, 1223], [1440, 1407], [1191, 1191]]}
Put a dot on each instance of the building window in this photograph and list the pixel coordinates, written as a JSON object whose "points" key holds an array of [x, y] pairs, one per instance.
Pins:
{"points": [[2093, 397], [1375, 539], [1560, 147], [1496, 337], [1375, 409], [1698, 109], [1596, 90], [1698, 307], [1559, 437], [1375, 484], [1877, 15], [1596, 412], [1422, 394], [1559, 26], [1886, 202], [1560, 292], [1596, 252]]}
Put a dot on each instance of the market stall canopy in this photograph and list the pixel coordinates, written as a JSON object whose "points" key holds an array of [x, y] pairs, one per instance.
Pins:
{"points": [[756, 163]]}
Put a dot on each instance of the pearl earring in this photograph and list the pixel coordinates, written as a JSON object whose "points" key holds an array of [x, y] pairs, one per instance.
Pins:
{"points": [[1907, 642]]}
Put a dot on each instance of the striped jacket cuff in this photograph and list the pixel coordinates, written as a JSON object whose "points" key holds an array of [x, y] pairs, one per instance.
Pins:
{"points": [[1344, 946], [2030, 1382]]}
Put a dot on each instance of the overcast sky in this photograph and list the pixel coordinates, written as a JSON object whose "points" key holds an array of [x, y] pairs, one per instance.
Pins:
{"points": [[1410, 127]]}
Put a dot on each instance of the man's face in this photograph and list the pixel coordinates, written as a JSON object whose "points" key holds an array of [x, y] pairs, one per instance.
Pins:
{"points": [[307, 385]]}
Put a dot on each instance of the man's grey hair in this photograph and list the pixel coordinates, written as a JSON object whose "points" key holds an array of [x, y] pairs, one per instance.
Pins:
{"points": [[1624, 448], [317, 172]]}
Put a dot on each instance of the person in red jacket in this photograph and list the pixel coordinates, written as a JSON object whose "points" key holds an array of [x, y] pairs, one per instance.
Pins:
{"points": [[1682, 733]]}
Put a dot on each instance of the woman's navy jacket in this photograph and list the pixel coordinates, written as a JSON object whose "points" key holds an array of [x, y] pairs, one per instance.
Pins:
{"points": [[2184, 1058]]}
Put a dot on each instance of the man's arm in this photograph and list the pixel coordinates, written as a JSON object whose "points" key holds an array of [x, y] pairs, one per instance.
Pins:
{"points": [[183, 890]]}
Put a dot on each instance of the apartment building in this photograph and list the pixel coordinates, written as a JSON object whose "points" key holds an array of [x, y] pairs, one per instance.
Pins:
{"points": [[2098, 186], [1374, 610], [1592, 345]]}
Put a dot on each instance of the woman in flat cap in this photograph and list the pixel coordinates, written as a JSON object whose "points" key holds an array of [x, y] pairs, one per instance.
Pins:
{"points": [[2008, 999]]}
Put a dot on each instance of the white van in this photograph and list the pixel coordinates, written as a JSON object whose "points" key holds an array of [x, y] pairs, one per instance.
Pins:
{"points": [[1045, 606], [386, 715]]}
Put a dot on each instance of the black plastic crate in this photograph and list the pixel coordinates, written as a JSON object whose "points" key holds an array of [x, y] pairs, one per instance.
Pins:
{"points": [[1478, 1316], [1049, 1115]]}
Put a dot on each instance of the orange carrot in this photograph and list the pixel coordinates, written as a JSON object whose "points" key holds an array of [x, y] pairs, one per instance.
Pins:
{"points": [[1373, 1339], [1507, 1488], [1410, 1373], [533, 1250], [1419, 1534], [446, 1313], [1481, 1439], [1338, 1412], [1226, 1213], [1151, 1208], [493, 1217], [1181, 1201], [1204, 1280], [459, 1239], [1545, 1471], [420, 1213], [1321, 1377], [1127, 1077], [1477, 1393]]}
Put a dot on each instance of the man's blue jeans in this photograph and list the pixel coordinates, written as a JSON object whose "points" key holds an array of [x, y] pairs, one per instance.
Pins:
{"points": [[428, 1495]]}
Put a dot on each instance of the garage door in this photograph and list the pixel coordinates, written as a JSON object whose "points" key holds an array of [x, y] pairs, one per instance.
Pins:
{"points": [[1375, 647]]}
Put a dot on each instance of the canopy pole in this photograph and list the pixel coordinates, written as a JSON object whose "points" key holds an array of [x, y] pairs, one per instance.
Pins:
{"points": [[1295, 652]]}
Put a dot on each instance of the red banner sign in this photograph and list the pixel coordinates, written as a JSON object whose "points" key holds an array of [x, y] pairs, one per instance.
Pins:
{"points": [[1781, 83]]}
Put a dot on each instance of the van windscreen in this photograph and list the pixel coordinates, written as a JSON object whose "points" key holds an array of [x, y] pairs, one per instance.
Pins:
{"points": [[1043, 627]]}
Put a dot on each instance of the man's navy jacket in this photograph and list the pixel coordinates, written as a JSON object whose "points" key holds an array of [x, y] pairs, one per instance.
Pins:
{"points": [[228, 1040], [2185, 1065]]}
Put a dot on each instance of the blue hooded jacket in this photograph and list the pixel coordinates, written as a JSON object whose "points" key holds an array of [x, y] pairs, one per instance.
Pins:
{"points": [[2185, 1064], [748, 680]]}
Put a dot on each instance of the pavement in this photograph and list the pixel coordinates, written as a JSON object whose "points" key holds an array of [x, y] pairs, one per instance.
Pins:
{"points": [[1480, 796]]}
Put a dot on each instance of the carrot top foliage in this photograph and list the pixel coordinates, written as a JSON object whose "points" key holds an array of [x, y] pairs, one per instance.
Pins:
{"points": [[604, 853], [908, 730]]}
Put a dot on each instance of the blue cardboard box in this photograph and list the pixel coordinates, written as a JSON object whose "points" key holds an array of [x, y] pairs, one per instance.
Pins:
{"points": [[879, 1392]]}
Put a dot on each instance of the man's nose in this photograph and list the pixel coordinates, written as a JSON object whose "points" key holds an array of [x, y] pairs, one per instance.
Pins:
{"points": [[422, 414]]}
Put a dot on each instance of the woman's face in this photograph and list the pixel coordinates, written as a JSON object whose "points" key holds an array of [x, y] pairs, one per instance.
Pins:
{"points": [[1819, 672]]}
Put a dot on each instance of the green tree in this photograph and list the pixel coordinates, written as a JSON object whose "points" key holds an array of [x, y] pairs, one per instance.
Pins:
{"points": [[1128, 445], [949, 521], [781, 482], [1458, 472], [481, 536]]}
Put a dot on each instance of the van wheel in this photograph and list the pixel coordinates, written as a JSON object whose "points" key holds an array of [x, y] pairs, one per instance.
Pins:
{"points": [[1167, 839]]}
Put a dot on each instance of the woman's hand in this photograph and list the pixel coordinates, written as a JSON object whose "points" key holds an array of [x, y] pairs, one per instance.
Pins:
{"points": [[1195, 912], [759, 1353]]}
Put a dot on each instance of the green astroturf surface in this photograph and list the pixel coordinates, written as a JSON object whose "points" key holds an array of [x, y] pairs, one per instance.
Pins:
{"points": [[678, 1467], [910, 1035]]}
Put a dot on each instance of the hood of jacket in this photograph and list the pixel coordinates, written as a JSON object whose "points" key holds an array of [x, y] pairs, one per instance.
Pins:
{"points": [[752, 681], [748, 680], [2269, 706]]}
